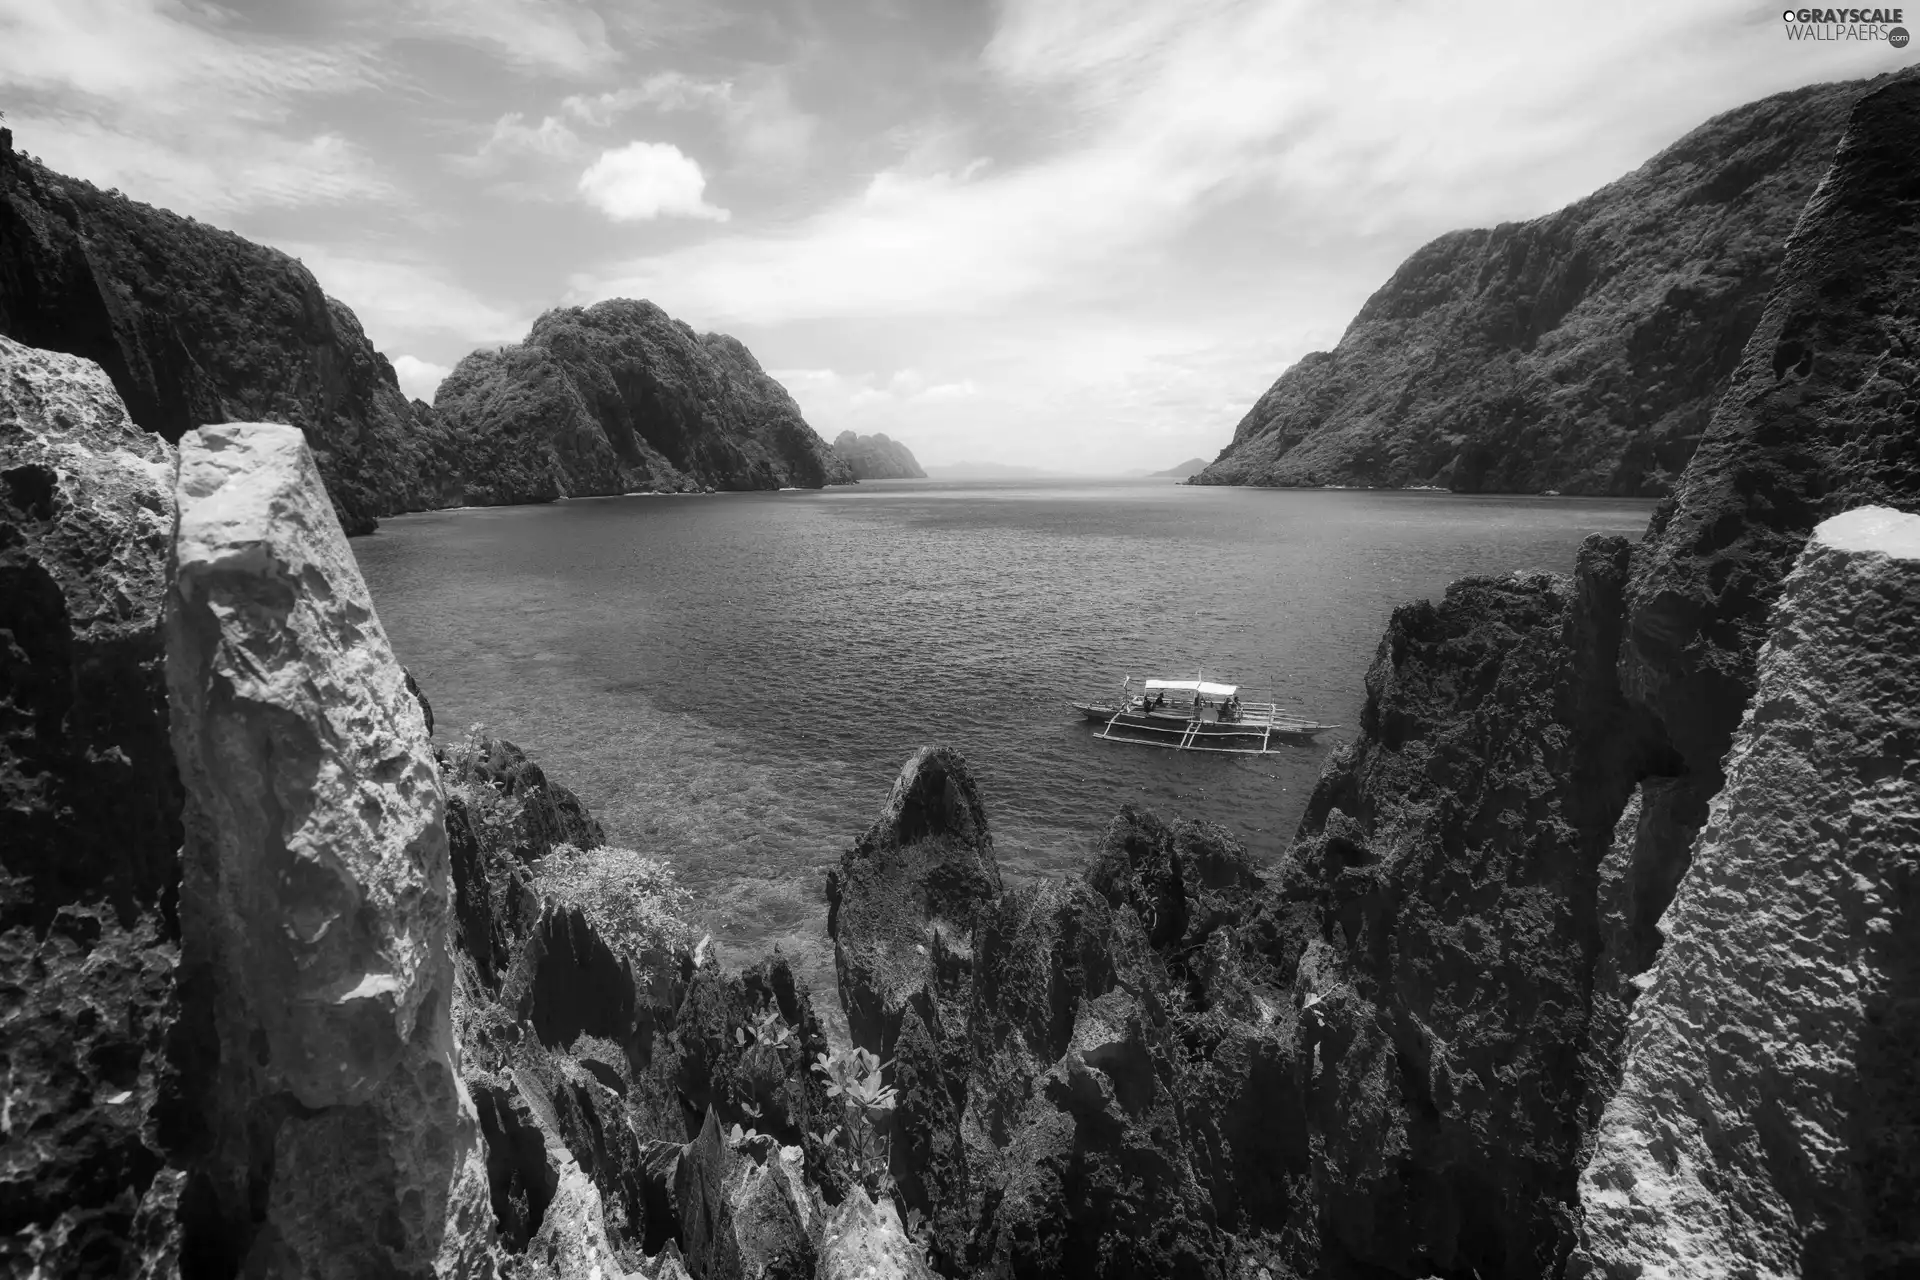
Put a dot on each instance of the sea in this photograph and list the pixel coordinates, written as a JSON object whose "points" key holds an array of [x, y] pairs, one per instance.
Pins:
{"points": [[733, 681]]}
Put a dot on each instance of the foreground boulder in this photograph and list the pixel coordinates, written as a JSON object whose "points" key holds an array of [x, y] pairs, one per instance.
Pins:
{"points": [[89, 824], [315, 903], [1768, 1116]]}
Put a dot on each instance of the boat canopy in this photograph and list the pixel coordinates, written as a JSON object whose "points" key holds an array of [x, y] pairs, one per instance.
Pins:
{"points": [[1204, 688]]}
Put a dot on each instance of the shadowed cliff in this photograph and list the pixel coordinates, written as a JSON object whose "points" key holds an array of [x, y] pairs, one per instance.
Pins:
{"points": [[196, 325], [877, 457], [1580, 352]]}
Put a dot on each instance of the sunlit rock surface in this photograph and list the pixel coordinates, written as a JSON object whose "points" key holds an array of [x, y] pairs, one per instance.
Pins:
{"points": [[1767, 1120], [89, 824], [315, 901]]}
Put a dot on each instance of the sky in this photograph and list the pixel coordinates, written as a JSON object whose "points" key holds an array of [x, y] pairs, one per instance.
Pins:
{"points": [[1081, 235]]}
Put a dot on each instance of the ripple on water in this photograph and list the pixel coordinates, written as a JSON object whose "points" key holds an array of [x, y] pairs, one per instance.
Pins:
{"points": [[733, 681]]}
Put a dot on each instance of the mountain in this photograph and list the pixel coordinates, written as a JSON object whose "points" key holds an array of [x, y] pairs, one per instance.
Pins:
{"points": [[876, 457], [1581, 351], [619, 397], [195, 325], [1188, 468]]}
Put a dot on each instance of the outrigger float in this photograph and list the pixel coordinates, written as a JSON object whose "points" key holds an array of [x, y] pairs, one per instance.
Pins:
{"points": [[1197, 715]]}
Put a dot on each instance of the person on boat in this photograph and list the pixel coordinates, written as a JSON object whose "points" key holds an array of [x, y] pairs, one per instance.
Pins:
{"points": [[1159, 701], [1228, 711]]}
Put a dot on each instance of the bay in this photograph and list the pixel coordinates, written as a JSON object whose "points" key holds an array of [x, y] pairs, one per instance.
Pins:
{"points": [[733, 681]]}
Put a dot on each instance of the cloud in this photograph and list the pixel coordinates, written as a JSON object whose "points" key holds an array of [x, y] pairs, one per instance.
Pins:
{"points": [[645, 180], [401, 298], [555, 37], [1158, 117], [512, 138], [419, 379], [182, 107], [763, 127]]}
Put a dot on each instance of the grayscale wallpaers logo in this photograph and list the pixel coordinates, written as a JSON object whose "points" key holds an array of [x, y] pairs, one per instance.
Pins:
{"points": [[1846, 24]]}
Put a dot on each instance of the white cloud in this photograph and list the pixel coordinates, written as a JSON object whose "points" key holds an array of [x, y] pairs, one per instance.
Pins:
{"points": [[402, 299], [512, 137], [647, 180], [551, 37], [180, 108], [764, 129], [1331, 132], [419, 379]]}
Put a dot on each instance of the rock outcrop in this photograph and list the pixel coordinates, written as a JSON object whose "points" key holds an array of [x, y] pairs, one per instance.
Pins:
{"points": [[1580, 352], [1769, 1115], [315, 904], [196, 325], [876, 457], [620, 397], [89, 825]]}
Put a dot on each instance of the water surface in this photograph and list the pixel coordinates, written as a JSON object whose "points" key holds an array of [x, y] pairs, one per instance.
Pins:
{"points": [[734, 680]]}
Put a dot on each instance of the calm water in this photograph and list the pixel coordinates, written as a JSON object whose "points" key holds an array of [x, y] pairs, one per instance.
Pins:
{"points": [[733, 681]]}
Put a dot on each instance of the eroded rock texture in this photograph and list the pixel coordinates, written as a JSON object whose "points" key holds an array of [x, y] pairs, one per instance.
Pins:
{"points": [[1768, 1123], [1449, 869], [877, 457], [1581, 352], [337, 1139], [196, 325], [89, 824], [619, 397], [1090, 1071]]}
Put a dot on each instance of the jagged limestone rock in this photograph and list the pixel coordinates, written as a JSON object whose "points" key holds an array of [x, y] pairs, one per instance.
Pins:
{"points": [[89, 823], [1766, 1121], [315, 902]]}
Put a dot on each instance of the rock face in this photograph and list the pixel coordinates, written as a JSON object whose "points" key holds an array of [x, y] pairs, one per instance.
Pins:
{"points": [[196, 325], [1087, 1070], [315, 904], [1768, 1117], [1580, 352], [619, 397], [876, 457], [89, 823]]}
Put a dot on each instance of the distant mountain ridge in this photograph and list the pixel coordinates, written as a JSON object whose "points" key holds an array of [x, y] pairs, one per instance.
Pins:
{"points": [[1191, 466], [876, 457], [1581, 351]]}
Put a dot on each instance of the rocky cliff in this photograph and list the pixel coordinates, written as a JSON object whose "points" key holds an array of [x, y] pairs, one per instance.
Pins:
{"points": [[196, 325], [89, 821], [1767, 1119], [876, 457], [619, 397], [1581, 352]]}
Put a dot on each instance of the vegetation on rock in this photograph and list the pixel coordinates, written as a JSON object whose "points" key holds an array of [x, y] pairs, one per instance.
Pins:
{"points": [[877, 457], [1580, 352], [619, 397]]}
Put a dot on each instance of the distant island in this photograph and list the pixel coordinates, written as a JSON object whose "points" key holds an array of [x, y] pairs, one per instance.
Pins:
{"points": [[1191, 466], [876, 457]]}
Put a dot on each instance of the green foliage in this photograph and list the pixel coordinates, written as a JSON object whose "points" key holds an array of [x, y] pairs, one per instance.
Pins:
{"points": [[634, 901], [492, 812], [857, 1078]]}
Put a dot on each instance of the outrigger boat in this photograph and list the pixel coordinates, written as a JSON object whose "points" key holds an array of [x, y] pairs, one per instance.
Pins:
{"points": [[1196, 715]]}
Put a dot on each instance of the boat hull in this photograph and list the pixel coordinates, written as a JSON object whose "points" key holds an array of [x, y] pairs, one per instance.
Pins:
{"points": [[1249, 732]]}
